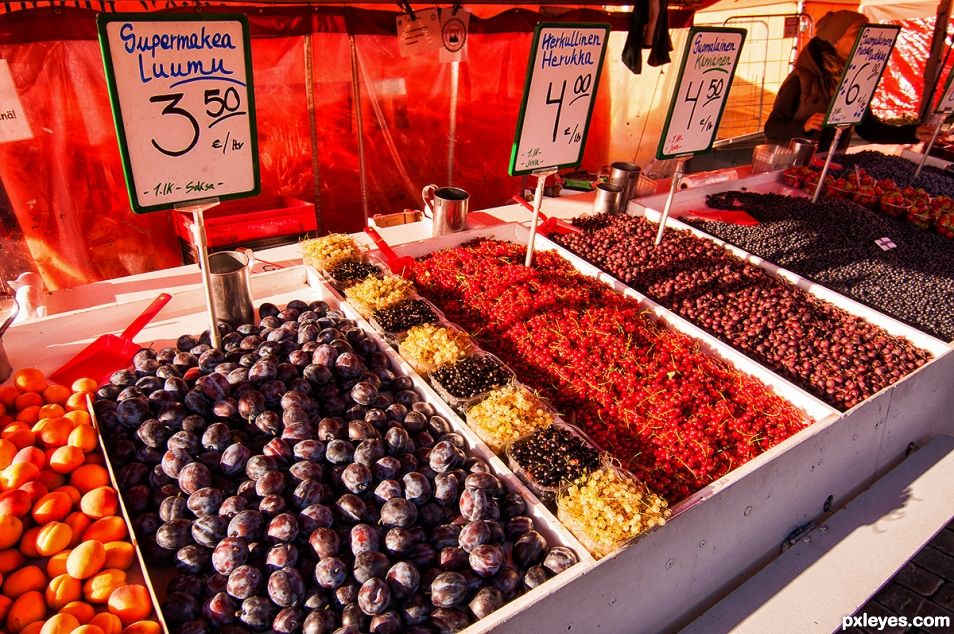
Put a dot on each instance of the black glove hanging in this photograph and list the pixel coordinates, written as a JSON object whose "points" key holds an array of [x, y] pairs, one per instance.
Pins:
{"points": [[633, 49], [648, 27]]}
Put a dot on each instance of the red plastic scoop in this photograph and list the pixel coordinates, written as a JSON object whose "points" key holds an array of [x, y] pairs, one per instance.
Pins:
{"points": [[549, 225], [108, 353], [400, 264], [734, 217]]}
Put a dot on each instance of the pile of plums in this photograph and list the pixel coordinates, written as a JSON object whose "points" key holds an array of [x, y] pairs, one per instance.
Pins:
{"points": [[296, 484]]}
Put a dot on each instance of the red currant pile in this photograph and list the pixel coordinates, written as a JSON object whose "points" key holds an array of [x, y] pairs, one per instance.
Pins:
{"points": [[676, 417], [840, 358]]}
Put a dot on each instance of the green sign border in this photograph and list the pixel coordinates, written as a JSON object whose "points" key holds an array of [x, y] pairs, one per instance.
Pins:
{"points": [[105, 18], [844, 73], [675, 91], [526, 91]]}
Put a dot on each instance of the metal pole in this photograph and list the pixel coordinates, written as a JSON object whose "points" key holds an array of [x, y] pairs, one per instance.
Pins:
{"points": [[927, 150], [198, 232], [934, 66], [831, 152], [313, 129], [452, 133], [537, 200], [359, 127], [676, 177]]}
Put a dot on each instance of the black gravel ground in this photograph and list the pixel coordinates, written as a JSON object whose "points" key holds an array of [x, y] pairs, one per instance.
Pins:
{"points": [[833, 243]]}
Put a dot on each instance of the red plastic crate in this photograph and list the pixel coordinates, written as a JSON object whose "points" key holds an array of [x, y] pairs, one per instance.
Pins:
{"points": [[235, 222]]}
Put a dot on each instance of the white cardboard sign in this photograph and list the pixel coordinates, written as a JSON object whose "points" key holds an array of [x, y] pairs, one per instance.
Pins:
{"points": [[13, 122], [862, 73], [183, 101], [559, 90], [420, 34], [699, 97]]}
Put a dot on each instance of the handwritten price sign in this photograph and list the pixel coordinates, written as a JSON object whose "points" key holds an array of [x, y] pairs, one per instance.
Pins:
{"points": [[182, 98], [564, 71], [862, 74], [698, 100]]}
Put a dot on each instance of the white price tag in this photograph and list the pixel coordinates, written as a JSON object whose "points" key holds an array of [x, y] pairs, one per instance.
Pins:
{"points": [[699, 97], [861, 75], [419, 35], [182, 97], [13, 122]]}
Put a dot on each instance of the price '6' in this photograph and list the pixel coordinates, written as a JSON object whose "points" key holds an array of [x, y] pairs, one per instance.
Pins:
{"points": [[219, 106]]}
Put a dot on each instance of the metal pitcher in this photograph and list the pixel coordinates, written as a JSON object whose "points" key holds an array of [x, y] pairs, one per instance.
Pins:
{"points": [[447, 208], [624, 174], [231, 287], [5, 368]]}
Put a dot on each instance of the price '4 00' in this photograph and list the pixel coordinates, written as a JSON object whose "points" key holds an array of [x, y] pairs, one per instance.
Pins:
{"points": [[581, 88], [219, 106]]}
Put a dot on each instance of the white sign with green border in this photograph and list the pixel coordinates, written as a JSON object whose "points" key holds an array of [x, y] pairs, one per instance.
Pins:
{"points": [[863, 71], [699, 98], [566, 61], [183, 103]]}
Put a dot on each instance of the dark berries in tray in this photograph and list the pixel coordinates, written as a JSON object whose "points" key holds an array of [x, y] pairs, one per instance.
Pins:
{"points": [[840, 358], [353, 271], [553, 455], [405, 315], [471, 376], [834, 243]]}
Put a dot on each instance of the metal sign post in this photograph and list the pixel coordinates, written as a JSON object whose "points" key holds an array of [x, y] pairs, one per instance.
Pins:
{"points": [[542, 176], [676, 177], [197, 208], [839, 130]]}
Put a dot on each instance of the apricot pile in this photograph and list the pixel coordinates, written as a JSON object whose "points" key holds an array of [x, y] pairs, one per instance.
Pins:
{"points": [[64, 553]]}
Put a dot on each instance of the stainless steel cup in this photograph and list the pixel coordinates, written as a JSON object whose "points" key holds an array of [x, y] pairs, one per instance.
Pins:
{"points": [[627, 176], [804, 151], [231, 287], [608, 197], [447, 208]]}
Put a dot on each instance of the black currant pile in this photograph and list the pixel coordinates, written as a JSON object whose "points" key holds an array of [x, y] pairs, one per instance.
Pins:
{"points": [[554, 455], [405, 315], [934, 181], [833, 243], [296, 484], [351, 271], [471, 376], [840, 358]]}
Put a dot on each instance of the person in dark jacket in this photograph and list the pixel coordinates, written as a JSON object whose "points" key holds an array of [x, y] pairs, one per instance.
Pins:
{"points": [[803, 99]]}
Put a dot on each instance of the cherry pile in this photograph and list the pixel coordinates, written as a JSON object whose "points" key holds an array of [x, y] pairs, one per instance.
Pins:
{"points": [[838, 357], [834, 243], [677, 418]]}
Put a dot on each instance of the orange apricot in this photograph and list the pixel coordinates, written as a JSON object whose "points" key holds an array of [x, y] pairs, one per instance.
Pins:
{"points": [[119, 554], [15, 502], [77, 521], [143, 627], [97, 588], [56, 394], [56, 565], [35, 489], [77, 401], [67, 458], [27, 608], [61, 590], [7, 451], [83, 612], [107, 529], [84, 437], [11, 530], [100, 502], [10, 560], [33, 455], [53, 538], [60, 624], [9, 394], [130, 602], [109, 623], [52, 507], [89, 476], [26, 579], [28, 542], [17, 475], [86, 559], [79, 417]]}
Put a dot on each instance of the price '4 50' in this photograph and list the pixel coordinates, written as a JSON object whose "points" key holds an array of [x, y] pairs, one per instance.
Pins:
{"points": [[219, 106]]}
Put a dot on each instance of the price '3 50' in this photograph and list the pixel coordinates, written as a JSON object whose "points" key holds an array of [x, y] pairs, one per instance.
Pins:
{"points": [[219, 107]]}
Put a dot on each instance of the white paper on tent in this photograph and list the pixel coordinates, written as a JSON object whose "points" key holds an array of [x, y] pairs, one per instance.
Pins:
{"points": [[13, 122], [419, 35]]}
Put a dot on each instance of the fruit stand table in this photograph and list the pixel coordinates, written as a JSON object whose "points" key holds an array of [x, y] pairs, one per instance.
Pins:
{"points": [[717, 540]]}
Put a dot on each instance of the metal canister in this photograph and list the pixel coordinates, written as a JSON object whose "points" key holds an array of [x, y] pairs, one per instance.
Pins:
{"points": [[804, 150]]}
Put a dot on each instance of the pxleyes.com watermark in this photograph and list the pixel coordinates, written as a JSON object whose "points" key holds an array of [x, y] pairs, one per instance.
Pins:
{"points": [[872, 622]]}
